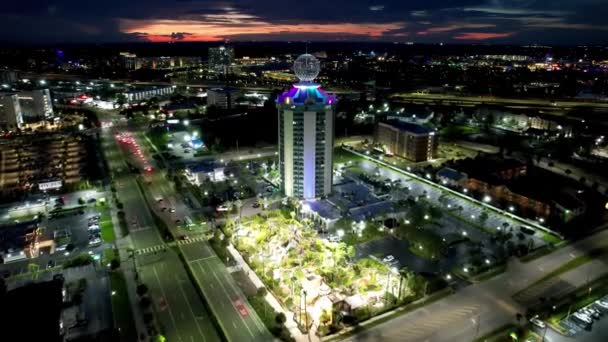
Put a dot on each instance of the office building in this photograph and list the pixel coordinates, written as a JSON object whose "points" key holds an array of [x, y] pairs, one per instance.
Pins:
{"points": [[306, 134], [8, 76], [36, 104], [221, 58], [144, 92], [131, 62], [407, 140], [221, 97], [10, 112]]}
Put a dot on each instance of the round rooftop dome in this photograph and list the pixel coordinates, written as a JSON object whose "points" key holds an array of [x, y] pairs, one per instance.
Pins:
{"points": [[306, 67]]}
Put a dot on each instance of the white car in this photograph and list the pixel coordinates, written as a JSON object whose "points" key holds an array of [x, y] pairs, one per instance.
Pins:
{"points": [[537, 322], [93, 227], [333, 238], [583, 317], [388, 259], [591, 313], [601, 303], [172, 210]]}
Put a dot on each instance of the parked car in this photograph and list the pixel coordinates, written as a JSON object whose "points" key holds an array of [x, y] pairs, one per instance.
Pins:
{"points": [[537, 322], [388, 259], [333, 238], [602, 304]]}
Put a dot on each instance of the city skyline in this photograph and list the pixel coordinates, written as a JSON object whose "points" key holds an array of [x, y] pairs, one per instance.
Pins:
{"points": [[504, 22]]}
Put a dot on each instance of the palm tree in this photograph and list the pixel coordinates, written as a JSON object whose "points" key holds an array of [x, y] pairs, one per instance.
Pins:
{"points": [[238, 204]]}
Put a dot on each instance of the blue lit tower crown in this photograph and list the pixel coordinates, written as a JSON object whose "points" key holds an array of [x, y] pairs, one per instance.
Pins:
{"points": [[306, 134]]}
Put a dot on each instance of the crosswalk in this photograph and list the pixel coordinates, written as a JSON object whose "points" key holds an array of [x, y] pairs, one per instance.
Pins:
{"points": [[163, 247]]}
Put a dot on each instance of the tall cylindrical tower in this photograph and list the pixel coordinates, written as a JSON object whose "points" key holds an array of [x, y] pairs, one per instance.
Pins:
{"points": [[306, 134]]}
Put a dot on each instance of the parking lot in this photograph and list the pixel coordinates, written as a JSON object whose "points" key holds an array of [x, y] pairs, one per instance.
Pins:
{"points": [[584, 319], [366, 191]]}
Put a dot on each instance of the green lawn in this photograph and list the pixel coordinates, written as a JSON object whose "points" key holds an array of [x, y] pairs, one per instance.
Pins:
{"points": [[341, 156], [107, 228], [550, 238], [121, 308]]}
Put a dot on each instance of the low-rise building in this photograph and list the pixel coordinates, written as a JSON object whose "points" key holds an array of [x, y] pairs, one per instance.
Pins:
{"points": [[451, 177], [407, 140], [141, 93], [205, 171]]}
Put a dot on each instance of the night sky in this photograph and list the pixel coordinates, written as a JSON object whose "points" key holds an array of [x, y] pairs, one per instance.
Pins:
{"points": [[425, 21]]}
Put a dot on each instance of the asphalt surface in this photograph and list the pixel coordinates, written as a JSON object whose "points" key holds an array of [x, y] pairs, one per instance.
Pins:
{"points": [[212, 277], [181, 313], [228, 303], [483, 307], [178, 305]]}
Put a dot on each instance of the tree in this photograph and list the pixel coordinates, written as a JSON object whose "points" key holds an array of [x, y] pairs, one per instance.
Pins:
{"points": [[142, 289], [238, 204], [483, 217]]}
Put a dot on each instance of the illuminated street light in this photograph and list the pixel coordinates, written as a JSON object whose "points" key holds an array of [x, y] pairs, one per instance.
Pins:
{"points": [[511, 208], [186, 122], [487, 198]]}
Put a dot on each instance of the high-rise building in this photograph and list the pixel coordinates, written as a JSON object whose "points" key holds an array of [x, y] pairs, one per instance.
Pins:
{"points": [[306, 134], [222, 97], [406, 140], [10, 112], [221, 59]]}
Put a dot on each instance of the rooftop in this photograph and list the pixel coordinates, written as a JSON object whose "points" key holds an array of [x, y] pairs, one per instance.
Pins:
{"points": [[452, 174], [408, 127], [306, 93]]}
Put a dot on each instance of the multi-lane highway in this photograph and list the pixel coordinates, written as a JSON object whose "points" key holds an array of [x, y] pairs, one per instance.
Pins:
{"points": [[181, 311]]}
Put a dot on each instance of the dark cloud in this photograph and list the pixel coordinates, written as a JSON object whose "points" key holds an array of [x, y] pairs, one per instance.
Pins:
{"points": [[519, 21], [179, 35]]}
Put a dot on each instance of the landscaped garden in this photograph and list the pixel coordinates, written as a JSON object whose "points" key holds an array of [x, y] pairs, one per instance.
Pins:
{"points": [[314, 276]]}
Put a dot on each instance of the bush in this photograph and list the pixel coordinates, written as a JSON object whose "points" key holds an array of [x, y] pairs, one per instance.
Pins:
{"points": [[281, 319], [145, 302]]}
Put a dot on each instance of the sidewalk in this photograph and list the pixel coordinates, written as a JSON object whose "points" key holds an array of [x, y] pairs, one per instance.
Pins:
{"points": [[123, 243], [272, 301]]}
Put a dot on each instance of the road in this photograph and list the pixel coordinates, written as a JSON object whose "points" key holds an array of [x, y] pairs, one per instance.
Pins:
{"points": [[217, 285], [183, 314], [215, 282], [446, 99], [177, 303], [223, 295], [480, 308]]}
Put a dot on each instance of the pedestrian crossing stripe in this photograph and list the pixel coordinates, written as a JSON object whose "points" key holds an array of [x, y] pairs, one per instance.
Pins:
{"points": [[159, 248]]}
